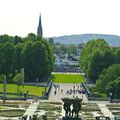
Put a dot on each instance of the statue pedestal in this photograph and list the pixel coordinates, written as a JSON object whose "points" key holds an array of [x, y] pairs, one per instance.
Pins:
{"points": [[70, 118]]}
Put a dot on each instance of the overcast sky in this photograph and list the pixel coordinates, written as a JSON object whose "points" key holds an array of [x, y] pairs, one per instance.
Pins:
{"points": [[60, 17]]}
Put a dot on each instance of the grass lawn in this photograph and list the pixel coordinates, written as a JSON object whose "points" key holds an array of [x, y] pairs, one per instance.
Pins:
{"points": [[33, 90], [68, 78]]}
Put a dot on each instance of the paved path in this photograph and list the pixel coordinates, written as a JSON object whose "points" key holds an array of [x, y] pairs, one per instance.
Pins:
{"points": [[9, 118], [62, 91], [31, 109], [106, 112]]}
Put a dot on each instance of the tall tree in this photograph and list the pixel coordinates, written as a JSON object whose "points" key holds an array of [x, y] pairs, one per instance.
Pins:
{"points": [[95, 57], [17, 39], [6, 38], [107, 76], [114, 88], [38, 60], [19, 57], [17, 80], [117, 56], [28, 61], [51, 41], [7, 58]]}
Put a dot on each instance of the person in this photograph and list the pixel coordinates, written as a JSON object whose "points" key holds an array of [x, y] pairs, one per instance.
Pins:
{"points": [[3, 100], [25, 95], [82, 96], [55, 92]]}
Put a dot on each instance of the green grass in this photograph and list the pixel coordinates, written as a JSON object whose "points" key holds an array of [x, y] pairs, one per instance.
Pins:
{"points": [[33, 90], [11, 113], [68, 78], [2, 107]]}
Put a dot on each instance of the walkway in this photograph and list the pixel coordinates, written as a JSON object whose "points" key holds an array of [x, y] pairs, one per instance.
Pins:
{"points": [[62, 92], [31, 109], [106, 112]]}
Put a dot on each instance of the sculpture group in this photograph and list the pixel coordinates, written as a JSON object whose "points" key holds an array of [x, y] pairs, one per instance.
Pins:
{"points": [[72, 107]]}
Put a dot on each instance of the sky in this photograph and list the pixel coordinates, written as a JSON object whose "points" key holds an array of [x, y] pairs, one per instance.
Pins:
{"points": [[59, 17]]}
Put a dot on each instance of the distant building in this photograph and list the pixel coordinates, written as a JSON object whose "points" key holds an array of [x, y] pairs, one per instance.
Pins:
{"points": [[39, 30]]}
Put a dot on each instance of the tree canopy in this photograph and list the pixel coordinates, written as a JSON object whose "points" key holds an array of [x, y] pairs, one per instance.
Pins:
{"points": [[33, 54], [108, 75], [95, 56]]}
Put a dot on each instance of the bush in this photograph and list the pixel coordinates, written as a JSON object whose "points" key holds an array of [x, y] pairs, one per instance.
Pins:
{"points": [[11, 113], [97, 94]]}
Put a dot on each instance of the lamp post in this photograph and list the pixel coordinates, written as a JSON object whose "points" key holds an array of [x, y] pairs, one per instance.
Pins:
{"points": [[4, 89], [22, 74], [36, 81], [110, 96]]}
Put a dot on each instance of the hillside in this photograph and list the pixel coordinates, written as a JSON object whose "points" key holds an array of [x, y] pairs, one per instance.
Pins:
{"points": [[113, 40]]}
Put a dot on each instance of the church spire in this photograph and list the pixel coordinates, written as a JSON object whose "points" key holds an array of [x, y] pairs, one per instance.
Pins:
{"points": [[39, 30]]}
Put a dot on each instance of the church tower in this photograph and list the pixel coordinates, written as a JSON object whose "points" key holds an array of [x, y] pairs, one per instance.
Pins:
{"points": [[39, 30]]}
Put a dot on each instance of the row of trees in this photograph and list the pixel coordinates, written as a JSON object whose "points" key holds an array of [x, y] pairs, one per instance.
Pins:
{"points": [[101, 63], [69, 49], [33, 54]]}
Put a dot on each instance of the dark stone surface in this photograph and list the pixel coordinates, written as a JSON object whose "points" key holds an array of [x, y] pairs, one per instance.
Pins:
{"points": [[24, 117], [70, 118]]}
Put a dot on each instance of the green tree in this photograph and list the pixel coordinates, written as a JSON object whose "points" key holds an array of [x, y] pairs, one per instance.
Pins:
{"points": [[6, 38], [17, 40], [95, 57], [73, 49], [19, 57], [108, 75], [38, 60], [51, 41], [17, 80], [7, 58], [30, 37], [114, 88], [28, 61], [117, 56], [33, 54], [50, 54], [99, 60]]}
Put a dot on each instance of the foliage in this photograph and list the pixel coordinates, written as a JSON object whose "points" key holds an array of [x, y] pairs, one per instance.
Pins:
{"points": [[19, 57], [95, 57], [102, 63], [51, 41], [108, 75], [17, 79], [7, 58], [69, 49], [72, 49], [33, 54], [117, 55], [114, 88], [38, 60]]}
